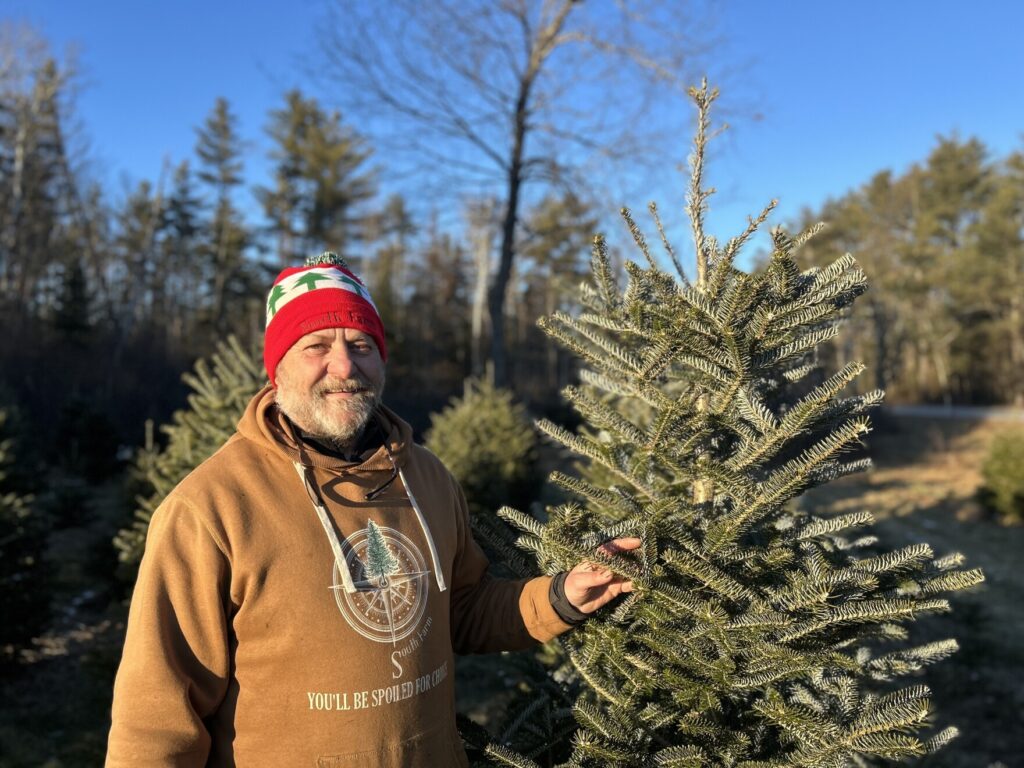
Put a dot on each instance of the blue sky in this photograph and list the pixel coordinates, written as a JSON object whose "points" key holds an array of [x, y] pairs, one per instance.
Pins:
{"points": [[820, 95]]}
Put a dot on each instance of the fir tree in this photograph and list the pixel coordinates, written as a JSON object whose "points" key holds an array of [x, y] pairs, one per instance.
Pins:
{"points": [[221, 389], [487, 442], [1002, 490], [758, 634]]}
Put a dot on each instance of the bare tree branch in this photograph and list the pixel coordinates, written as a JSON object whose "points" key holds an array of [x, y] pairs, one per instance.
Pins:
{"points": [[506, 94]]}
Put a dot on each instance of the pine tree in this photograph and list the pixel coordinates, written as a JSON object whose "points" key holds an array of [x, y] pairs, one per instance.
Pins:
{"points": [[758, 634], [34, 179], [178, 248], [555, 240], [139, 223], [436, 314], [392, 229], [219, 148], [221, 389], [320, 182], [73, 313]]}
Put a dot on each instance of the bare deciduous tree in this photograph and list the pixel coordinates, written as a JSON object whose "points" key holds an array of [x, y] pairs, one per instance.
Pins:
{"points": [[483, 98]]}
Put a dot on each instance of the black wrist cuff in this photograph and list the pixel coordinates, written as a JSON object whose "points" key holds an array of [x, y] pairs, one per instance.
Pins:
{"points": [[566, 611]]}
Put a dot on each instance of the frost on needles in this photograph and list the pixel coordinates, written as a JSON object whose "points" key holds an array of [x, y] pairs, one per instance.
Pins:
{"points": [[758, 634]]}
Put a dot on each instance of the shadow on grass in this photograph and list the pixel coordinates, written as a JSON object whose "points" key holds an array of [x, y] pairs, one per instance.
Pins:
{"points": [[56, 710]]}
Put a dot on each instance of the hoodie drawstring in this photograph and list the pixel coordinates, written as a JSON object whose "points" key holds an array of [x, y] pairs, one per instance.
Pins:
{"points": [[305, 474], [426, 532]]}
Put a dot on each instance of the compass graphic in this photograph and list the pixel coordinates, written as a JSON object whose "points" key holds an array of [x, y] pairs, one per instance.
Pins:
{"points": [[390, 579]]}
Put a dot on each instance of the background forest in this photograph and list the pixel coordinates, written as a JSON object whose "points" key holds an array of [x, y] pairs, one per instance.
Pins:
{"points": [[108, 296]]}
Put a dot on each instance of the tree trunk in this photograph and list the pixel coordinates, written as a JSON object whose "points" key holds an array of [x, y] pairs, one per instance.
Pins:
{"points": [[483, 239], [1017, 349], [496, 296]]}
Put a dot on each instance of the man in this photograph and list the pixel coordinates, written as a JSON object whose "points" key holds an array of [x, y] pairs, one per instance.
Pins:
{"points": [[303, 590]]}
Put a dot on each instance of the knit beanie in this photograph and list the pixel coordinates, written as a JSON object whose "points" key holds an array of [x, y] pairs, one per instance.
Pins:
{"points": [[324, 293]]}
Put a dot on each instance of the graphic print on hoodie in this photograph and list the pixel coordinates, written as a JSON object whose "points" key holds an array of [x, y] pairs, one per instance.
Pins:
{"points": [[385, 594]]}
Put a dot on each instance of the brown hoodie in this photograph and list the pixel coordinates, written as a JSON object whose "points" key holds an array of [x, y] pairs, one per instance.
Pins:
{"points": [[248, 645]]}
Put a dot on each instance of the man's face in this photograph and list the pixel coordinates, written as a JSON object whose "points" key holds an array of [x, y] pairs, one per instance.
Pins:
{"points": [[329, 382]]}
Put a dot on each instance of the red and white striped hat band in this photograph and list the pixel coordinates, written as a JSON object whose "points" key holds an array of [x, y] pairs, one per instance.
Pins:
{"points": [[323, 294]]}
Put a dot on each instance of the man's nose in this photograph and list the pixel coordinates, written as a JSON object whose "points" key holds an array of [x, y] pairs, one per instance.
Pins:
{"points": [[340, 363]]}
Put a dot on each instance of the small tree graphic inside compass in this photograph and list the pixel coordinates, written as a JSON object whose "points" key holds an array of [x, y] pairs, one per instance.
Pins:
{"points": [[384, 596], [380, 563]]}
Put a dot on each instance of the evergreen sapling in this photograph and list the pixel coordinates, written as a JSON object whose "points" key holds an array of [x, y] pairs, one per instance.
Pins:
{"points": [[221, 389], [487, 441], [758, 635]]}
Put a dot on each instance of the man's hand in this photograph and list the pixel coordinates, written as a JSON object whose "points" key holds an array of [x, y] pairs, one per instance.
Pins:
{"points": [[590, 585]]}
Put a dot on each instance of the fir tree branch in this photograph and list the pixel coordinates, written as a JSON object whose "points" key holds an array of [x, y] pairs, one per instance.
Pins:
{"points": [[505, 756], [653, 208], [591, 451], [696, 198], [786, 481], [604, 281], [600, 414], [638, 236], [736, 243], [808, 409], [821, 526]]}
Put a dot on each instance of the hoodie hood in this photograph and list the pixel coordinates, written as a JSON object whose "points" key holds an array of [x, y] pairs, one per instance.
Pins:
{"points": [[265, 425]]}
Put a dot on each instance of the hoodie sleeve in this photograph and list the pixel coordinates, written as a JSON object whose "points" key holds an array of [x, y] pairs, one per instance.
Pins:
{"points": [[175, 666], [491, 614]]}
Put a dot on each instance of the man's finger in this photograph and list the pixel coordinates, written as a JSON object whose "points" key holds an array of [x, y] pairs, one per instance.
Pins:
{"points": [[615, 546], [591, 578]]}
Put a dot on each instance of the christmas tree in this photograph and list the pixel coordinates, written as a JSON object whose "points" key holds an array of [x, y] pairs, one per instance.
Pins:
{"points": [[221, 389], [758, 634], [487, 442], [1002, 490]]}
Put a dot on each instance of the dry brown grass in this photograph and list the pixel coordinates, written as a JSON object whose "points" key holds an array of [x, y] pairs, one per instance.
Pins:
{"points": [[923, 489]]}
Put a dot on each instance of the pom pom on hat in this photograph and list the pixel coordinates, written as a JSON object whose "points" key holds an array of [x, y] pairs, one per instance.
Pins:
{"points": [[327, 258], [324, 293]]}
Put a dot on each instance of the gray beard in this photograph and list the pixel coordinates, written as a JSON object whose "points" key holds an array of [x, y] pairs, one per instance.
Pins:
{"points": [[337, 425]]}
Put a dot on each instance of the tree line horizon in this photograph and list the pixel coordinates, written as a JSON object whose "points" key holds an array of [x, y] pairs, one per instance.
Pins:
{"points": [[129, 293]]}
